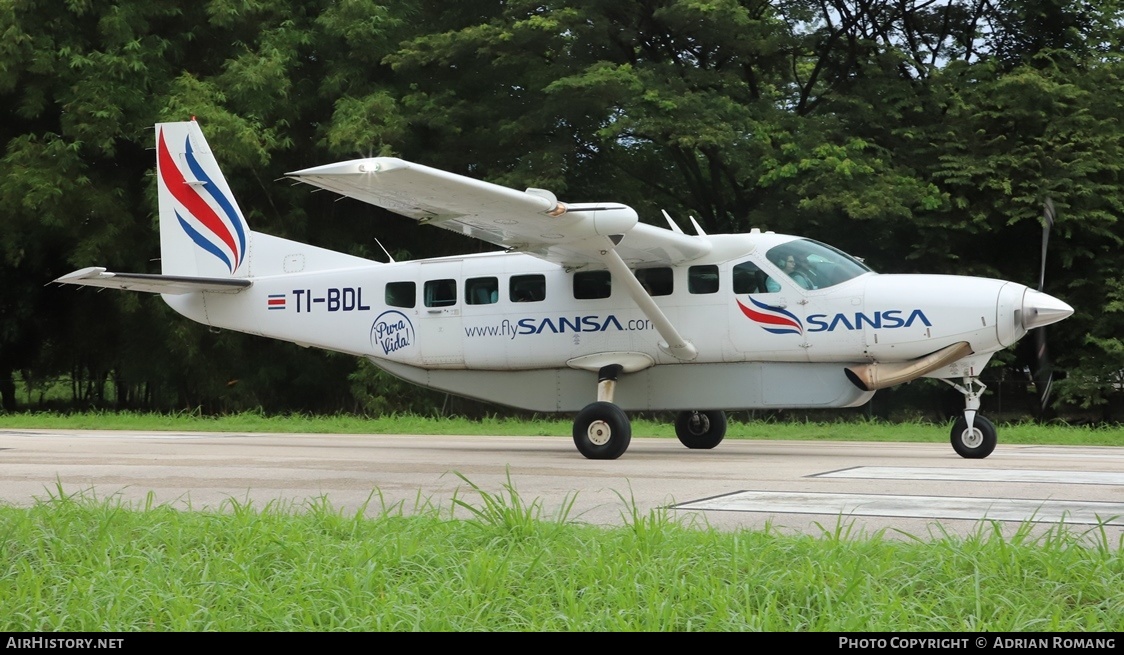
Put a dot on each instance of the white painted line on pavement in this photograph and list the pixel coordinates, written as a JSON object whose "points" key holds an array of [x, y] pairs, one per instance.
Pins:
{"points": [[933, 507], [976, 475]]}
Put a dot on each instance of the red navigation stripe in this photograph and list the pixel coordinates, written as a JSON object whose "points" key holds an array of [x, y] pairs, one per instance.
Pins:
{"points": [[180, 189], [767, 318]]}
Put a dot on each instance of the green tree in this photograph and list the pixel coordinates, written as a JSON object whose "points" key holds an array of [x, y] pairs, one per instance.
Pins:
{"points": [[922, 136], [80, 88]]}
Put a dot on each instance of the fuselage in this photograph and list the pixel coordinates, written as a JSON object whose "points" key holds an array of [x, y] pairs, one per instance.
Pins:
{"points": [[508, 311]]}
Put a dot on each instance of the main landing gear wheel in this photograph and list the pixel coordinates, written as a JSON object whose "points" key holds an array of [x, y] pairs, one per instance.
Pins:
{"points": [[602, 431], [976, 443], [700, 429]]}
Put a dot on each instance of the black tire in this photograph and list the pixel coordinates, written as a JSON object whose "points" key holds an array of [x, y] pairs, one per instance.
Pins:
{"points": [[602, 431], [701, 429], [978, 443]]}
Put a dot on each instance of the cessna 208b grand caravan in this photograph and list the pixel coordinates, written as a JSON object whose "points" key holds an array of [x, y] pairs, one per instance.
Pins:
{"points": [[585, 309]]}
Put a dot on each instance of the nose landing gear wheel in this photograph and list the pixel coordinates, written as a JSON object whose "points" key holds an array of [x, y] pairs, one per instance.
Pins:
{"points": [[976, 443], [602, 431], [700, 430]]}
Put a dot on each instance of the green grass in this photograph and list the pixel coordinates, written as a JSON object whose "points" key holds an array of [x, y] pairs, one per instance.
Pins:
{"points": [[495, 562], [75, 563], [858, 430]]}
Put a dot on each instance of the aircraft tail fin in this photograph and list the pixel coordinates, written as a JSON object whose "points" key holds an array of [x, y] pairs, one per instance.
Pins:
{"points": [[202, 229], [203, 232]]}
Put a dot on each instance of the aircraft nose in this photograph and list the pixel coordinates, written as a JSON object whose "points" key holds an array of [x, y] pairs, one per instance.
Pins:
{"points": [[1040, 309]]}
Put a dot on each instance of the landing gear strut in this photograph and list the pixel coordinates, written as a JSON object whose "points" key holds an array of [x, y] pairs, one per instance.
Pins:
{"points": [[602, 430], [973, 436]]}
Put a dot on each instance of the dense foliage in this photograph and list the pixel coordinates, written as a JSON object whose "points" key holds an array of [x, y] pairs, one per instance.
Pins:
{"points": [[922, 136]]}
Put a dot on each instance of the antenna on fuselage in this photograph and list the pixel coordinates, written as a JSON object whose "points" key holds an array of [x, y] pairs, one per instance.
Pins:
{"points": [[674, 227], [698, 228], [388, 256]]}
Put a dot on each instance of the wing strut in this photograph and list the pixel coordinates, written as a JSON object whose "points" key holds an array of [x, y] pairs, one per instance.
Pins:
{"points": [[675, 345]]}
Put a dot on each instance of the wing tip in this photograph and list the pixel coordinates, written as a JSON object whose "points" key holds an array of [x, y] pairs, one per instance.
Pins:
{"points": [[90, 272]]}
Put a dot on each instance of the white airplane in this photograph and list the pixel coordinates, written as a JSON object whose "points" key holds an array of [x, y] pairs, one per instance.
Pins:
{"points": [[584, 309]]}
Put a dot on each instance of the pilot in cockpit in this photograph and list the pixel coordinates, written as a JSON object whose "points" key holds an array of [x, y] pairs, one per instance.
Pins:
{"points": [[788, 265]]}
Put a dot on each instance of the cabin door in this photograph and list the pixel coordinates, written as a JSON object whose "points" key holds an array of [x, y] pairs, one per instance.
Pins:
{"points": [[440, 331]]}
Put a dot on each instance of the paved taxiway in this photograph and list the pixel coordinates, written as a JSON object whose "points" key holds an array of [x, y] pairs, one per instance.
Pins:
{"points": [[918, 489]]}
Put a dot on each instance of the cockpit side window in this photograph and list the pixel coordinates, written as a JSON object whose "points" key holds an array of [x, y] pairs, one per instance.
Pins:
{"points": [[814, 265], [795, 268], [749, 278]]}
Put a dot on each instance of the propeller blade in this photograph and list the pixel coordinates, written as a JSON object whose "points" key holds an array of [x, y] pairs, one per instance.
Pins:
{"points": [[1048, 216], [1043, 370]]}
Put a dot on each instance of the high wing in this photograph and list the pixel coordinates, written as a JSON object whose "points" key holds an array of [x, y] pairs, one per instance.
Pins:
{"points": [[96, 276], [532, 221]]}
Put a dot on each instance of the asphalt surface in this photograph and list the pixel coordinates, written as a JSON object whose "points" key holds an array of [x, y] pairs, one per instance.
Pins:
{"points": [[896, 489]]}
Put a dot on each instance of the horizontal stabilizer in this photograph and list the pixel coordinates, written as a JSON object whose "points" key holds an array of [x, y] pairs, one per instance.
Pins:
{"points": [[96, 276]]}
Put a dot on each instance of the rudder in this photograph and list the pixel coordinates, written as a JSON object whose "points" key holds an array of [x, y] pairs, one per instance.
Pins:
{"points": [[202, 229]]}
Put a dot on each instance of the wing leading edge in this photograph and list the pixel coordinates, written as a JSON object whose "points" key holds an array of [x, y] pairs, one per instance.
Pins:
{"points": [[532, 221]]}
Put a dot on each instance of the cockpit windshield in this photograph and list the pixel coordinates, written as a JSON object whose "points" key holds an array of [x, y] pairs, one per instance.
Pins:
{"points": [[815, 265]]}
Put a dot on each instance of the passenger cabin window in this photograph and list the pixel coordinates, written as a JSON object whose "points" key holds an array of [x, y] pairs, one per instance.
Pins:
{"points": [[401, 294], [440, 293], [702, 279], [589, 285], [527, 288], [481, 290], [748, 278], [656, 281]]}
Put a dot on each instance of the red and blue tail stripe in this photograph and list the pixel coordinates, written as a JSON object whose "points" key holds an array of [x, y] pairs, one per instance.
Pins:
{"points": [[772, 319], [218, 227]]}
